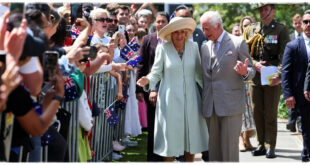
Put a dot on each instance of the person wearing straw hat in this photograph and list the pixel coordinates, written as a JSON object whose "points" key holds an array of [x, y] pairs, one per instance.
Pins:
{"points": [[226, 64], [179, 125]]}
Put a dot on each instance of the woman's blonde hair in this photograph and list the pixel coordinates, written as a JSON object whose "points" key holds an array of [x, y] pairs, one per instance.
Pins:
{"points": [[244, 18], [95, 12]]}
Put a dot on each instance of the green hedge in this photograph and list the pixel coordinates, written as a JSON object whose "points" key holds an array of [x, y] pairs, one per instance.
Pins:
{"points": [[282, 109]]}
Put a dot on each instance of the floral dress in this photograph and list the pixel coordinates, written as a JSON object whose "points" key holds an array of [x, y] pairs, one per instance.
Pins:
{"points": [[247, 117]]}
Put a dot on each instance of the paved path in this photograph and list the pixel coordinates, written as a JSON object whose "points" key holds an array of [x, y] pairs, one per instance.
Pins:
{"points": [[288, 149]]}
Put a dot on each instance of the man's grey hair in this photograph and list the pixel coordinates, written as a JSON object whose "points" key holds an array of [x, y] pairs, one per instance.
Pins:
{"points": [[214, 18], [144, 12], [307, 12]]}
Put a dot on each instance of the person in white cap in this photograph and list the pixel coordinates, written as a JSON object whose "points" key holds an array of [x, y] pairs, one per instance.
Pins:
{"points": [[179, 125]]}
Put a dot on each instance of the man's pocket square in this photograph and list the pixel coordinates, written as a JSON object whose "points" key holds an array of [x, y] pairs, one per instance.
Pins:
{"points": [[229, 53]]}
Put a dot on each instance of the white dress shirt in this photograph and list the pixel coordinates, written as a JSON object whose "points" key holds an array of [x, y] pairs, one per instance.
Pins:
{"points": [[307, 44]]}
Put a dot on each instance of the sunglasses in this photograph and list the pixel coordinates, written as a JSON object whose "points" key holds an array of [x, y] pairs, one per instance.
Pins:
{"points": [[104, 19], [114, 20], [305, 21]]}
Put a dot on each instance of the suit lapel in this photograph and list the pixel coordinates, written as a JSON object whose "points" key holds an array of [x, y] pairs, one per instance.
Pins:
{"points": [[222, 49], [303, 51]]}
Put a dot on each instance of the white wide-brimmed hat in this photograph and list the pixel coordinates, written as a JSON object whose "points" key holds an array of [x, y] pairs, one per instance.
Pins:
{"points": [[177, 23]]}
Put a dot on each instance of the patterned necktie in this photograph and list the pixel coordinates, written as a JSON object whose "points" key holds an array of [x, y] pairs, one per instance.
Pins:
{"points": [[214, 51]]}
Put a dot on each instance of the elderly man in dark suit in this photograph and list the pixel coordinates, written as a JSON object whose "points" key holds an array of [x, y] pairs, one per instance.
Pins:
{"points": [[294, 67], [147, 52]]}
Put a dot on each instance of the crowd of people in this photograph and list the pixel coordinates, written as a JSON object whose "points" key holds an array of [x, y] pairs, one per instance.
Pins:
{"points": [[194, 90]]}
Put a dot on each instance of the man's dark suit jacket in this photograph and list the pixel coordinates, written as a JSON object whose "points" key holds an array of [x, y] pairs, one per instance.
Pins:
{"points": [[199, 37], [147, 52], [294, 67]]}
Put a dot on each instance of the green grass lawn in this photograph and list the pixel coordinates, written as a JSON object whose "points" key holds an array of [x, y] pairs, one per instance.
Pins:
{"points": [[137, 153]]}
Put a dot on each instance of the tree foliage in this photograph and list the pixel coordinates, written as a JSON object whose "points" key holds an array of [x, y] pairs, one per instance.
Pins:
{"points": [[233, 12]]}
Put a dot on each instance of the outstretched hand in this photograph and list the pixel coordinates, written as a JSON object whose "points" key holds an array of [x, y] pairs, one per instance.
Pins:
{"points": [[143, 81], [242, 68]]}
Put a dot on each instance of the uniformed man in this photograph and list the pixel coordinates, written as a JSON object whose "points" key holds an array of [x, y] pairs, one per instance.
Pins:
{"points": [[266, 40]]}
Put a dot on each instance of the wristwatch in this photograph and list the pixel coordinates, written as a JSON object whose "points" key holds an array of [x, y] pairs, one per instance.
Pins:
{"points": [[60, 99]]}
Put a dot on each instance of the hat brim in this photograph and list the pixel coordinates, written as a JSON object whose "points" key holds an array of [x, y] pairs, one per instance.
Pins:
{"points": [[257, 8], [179, 24]]}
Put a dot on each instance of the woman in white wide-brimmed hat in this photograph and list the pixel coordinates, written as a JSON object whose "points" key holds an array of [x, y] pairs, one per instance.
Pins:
{"points": [[179, 126]]}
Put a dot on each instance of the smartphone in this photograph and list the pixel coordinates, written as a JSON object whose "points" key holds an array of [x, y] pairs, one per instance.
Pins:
{"points": [[2, 63], [121, 28], [16, 15], [76, 12], [45, 88], [50, 65], [92, 54]]}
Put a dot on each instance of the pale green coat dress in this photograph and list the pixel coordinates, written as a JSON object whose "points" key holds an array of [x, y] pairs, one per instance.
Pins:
{"points": [[179, 124]]}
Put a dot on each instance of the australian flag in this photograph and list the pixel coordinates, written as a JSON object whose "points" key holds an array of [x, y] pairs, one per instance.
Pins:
{"points": [[75, 32], [111, 115], [130, 49], [126, 53], [122, 103], [71, 92], [133, 44], [134, 61]]}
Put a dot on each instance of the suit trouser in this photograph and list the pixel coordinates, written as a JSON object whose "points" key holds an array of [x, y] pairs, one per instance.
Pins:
{"points": [[305, 123], [224, 134], [293, 117], [265, 100]]}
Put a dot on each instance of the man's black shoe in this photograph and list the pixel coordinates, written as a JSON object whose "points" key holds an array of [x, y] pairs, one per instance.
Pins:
{"points": [[304, 159], [291, 127], [270, 153], [259, 151]]}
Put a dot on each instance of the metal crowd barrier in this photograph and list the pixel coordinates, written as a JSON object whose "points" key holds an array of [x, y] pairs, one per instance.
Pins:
{"points": [[103, 96], [73, 133], [103, 90]]}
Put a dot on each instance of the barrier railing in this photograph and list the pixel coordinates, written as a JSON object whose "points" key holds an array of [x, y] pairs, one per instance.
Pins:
{"points": [[102, 93]]}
